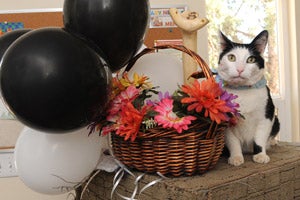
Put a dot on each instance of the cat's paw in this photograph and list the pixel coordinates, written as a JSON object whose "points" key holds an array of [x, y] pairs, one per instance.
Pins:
{"points": [[261, 158], [236, 160]]}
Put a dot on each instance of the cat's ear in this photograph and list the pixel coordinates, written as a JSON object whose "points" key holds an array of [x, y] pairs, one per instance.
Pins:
{"points": [[224, 41], [260, 41]]}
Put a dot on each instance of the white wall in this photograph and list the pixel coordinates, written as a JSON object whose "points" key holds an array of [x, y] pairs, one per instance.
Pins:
{"points": [[30, 4], [14, 189]]}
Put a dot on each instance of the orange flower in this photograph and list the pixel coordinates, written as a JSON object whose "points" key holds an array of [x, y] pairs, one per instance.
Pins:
{"points": [[130, 121], [206, 95]]}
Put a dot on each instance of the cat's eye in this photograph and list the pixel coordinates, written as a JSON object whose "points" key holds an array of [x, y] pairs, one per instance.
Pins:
{"points": [[251, 59], [231, 57]]}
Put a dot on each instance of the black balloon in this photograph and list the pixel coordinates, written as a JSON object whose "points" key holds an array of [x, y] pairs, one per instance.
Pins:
{"points": [[117, 27], [52, 81], [8, 38]]}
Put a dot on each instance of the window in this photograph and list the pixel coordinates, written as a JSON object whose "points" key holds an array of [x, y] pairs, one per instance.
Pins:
{"points": [[242, 20]]}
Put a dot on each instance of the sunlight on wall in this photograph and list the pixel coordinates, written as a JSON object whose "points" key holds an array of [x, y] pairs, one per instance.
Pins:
{"points": [[30, 4]]}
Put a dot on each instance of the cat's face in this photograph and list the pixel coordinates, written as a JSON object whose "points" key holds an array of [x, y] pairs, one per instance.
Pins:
{"points": [[242, 64]]}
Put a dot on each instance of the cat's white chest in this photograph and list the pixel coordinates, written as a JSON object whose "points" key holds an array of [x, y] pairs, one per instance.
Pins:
{"points": [[251, 101], [252, 106]]}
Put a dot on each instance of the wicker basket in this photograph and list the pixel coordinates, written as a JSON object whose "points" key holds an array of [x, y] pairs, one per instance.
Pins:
{"points": [[164, 150]]}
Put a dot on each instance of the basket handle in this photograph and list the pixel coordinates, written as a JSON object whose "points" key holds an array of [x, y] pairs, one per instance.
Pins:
{"points": [[202, 64]]}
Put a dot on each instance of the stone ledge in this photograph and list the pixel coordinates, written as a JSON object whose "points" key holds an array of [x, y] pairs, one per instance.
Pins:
{"points": [[279, 179]]}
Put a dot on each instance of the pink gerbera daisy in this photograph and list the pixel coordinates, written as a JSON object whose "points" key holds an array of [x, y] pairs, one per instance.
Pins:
{"points": [[168, 119], [122, 99]]}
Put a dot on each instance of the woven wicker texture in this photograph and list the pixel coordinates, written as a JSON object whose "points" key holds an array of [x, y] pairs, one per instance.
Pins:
{"points": [[164, 150]]}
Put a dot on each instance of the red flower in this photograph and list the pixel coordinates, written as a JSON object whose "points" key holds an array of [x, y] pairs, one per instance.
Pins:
{"points": [[130, 121], [206, 95]]}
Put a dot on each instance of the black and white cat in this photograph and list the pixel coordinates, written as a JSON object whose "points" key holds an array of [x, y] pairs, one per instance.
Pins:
{"points": [[241, 68]]}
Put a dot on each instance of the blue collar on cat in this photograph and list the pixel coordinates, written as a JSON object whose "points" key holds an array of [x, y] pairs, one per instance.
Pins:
{"points": [[260, 84]]}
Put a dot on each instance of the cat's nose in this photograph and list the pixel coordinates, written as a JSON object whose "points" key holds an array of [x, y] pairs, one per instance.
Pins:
{"points": [[240, 70]]}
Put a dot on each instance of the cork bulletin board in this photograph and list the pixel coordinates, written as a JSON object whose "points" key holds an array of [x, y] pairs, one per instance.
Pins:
{"points": [[34, 20], [161, 34], [47, 19], [162, 27]]}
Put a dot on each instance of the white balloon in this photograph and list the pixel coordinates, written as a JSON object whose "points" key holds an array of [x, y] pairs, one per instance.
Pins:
{"points": [[56, 163], [164, 70]]}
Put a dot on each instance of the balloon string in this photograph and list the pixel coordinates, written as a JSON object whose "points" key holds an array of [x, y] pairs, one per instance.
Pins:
{"points": [[136, 192], [71, 195], [88, 183], [120, 174]]}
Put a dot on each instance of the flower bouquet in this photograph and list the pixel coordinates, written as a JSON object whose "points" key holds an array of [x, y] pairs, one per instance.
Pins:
{"points": [[176, 134]]}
